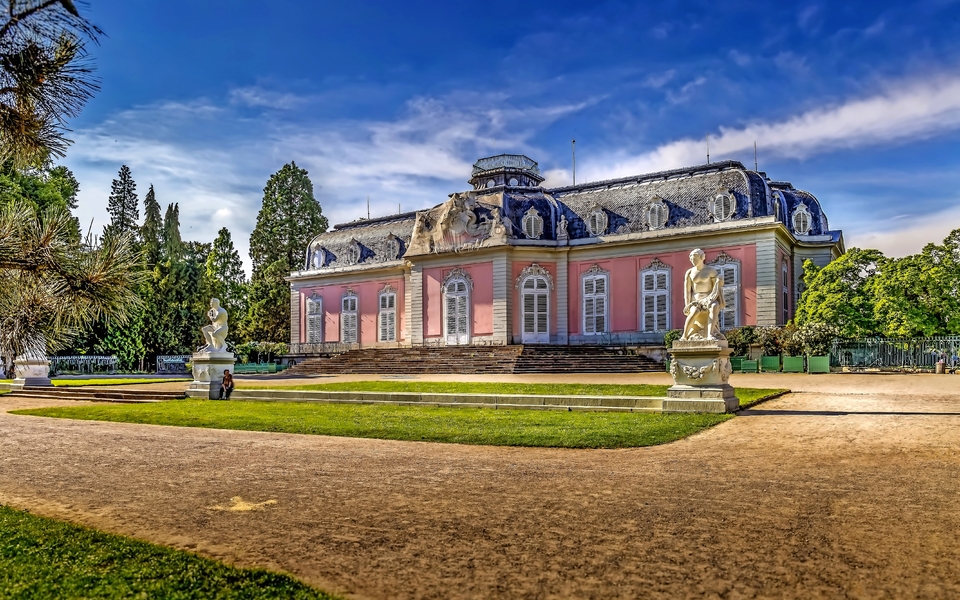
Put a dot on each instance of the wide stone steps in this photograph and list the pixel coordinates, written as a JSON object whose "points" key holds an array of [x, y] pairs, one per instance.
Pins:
{"points": [[91, 394], [478, 360]]}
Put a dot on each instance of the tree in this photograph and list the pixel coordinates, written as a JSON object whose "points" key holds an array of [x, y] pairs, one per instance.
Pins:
{"points": [[44, 77], [172, 242], [123, 204], [840, 294], [289, 218], [151, 233], [51, 285], [225, 277]]}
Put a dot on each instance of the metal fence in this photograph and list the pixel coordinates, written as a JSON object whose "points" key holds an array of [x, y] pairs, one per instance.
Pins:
{"points": [[83, 363], [916, 353], [173, 363]]}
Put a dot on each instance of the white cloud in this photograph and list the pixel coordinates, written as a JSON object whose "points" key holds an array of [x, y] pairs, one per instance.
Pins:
{"points": [[258, 97], [903, 237], [907, 110]]}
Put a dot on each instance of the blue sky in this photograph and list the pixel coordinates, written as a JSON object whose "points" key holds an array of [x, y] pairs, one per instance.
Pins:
{"points": [[857, 102]]}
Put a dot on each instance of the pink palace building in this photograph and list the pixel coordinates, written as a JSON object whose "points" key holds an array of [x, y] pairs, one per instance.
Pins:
{"points": [[512, 262]]}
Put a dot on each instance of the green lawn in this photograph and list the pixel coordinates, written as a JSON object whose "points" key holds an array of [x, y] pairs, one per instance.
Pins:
{"points": [[43, 558], [746, 395], [114, 381], [576, 429]]}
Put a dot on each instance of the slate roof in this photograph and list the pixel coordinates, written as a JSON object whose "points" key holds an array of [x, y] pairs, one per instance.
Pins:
{"points": [[625, 201]]}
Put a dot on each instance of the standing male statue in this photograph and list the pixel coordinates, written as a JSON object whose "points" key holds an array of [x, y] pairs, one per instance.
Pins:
{"points": [[216, 332], [702, 300]]}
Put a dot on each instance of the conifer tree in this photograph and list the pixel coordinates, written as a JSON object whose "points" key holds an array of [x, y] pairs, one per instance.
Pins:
{"points": [[172, 243], [152, 230], [225, 277], [123, 204]]}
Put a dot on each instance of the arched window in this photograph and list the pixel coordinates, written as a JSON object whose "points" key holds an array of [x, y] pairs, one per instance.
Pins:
{"points": [[456, 307], [802, 221], [723, 206], [785, 273], [532, 224], [595, 300], [314, 319], [535, 284], [657, 214], [388, 315], [655, 297], [729, 269], [349, 322], [597, 221]]}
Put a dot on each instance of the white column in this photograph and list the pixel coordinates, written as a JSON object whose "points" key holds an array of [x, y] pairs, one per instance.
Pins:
{"points": [[415, 305], [294, 315], [502, 288], [767, 278], [563, 297]]}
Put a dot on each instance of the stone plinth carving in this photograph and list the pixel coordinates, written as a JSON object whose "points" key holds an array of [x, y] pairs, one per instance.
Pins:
{"points": [[31, 372], [701, 374]]}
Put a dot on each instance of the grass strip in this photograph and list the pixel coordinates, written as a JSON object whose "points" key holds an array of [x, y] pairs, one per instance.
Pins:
{"points": [[114, 381], [456, 387], [43, 558], [544, 428]]}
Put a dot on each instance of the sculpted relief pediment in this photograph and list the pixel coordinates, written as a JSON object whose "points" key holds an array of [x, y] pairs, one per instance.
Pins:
{"points": [[459, 224]]}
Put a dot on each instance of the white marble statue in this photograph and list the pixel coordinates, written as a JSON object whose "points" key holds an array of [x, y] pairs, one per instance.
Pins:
{"points": [[216, 332], [702, 300]]}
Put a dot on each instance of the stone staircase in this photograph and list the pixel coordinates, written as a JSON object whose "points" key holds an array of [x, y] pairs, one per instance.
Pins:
{"points": [[478, 360], [93, 394]]}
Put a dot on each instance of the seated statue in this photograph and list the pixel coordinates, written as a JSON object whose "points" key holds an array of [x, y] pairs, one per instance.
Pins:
{"points": [[216, 332], [703, 300]]}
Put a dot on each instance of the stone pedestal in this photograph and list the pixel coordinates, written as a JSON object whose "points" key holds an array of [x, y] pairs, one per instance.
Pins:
{"points": [[701, 371], [31, 372], [208, 368]]}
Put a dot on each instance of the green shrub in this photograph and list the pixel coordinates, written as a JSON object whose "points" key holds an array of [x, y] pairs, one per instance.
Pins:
{"points": [[671, 336], [789, 341], [741, 339], [817, 338], [769, 340]]}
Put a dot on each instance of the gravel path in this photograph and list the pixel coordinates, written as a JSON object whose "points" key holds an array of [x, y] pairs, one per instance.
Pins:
{"points": [[812, 495]]}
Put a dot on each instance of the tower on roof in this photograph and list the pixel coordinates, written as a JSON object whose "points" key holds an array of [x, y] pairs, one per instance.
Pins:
{"points": [[511, 170]]}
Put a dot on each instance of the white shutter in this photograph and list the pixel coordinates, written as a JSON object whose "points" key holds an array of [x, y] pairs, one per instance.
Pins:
{"points": [[648, 282], [589, 316], [601, 318], [451, 319], [661, 312], [461, 316], [541, 313], [661, 281], [529, 313]]}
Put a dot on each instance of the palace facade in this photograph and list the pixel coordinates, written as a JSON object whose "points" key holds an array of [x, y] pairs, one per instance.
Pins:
{"points": [[512, 262]]}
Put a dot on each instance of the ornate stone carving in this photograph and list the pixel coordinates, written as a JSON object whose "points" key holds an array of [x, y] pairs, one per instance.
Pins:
{"points": [[722, 259], [216, 332], [534, 269], [562, 228], [388, 289], [657, 265], [596, 270], [702, 300], [442, 229], [456, 273]]}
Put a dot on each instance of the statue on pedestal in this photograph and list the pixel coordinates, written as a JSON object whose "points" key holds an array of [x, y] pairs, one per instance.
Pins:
{"points": [[215, 333], [702, 299]]}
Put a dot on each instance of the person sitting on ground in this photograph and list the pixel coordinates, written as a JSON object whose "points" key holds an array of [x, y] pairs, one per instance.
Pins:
{"points": [[227, 386]]}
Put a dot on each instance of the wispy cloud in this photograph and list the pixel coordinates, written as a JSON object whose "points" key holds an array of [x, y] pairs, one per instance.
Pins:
{"points": [[258, 97], [906, 110], [904, 236]]}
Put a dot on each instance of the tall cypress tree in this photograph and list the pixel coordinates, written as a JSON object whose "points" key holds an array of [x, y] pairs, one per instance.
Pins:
{"points": [[152, 230], [172, 243], [123, 204], [225, 277], [289, 218]]}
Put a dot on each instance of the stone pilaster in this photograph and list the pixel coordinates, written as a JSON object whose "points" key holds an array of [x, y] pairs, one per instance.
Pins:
{"points": [[502, 291], [295, 325], [563, 298], [414, 304], [767, 281]]}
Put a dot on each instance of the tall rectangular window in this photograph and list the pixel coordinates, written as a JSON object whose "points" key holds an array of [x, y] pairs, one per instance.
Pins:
{"points": [[388, 317], [348, 320], [786, 294], [655, 300], [594, 304], [730, 314], [314, 320]]}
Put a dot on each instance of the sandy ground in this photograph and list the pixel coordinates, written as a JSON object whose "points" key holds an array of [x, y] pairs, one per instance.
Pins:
{"points": [[849, 489]]}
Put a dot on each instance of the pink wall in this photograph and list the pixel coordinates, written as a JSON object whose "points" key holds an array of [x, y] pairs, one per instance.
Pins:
{"points": [[518, 301], [368, 293], [481, 304], [624, 309]]}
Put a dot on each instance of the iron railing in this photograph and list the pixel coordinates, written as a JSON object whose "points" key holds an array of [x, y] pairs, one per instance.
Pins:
{"points": [[916, 353], [173, 363], [83, 363]]}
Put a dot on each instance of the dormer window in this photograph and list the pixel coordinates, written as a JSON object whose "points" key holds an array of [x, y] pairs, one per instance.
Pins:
{"points": [[352, 254], [723, 206], [597, 221], [491, 183], [802, 221], [657, 214], [532, 224], [514, 182]]}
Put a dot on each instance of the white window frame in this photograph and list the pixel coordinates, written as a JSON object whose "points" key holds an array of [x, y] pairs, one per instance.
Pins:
{"points": [[532, 224], [716, 206], [455, 276], [655, 269], [660, 207], [313, 319], [347, 315], [385, 331], [594, 274], [597, 222], [730, 290], [802, 211]]}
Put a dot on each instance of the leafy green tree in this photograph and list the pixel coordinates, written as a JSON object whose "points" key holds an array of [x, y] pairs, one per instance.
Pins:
{"points": [[45, 77], [840, 294], [151, 232], [123, 205], [289, 218], [225, 277], [269, 309]]}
